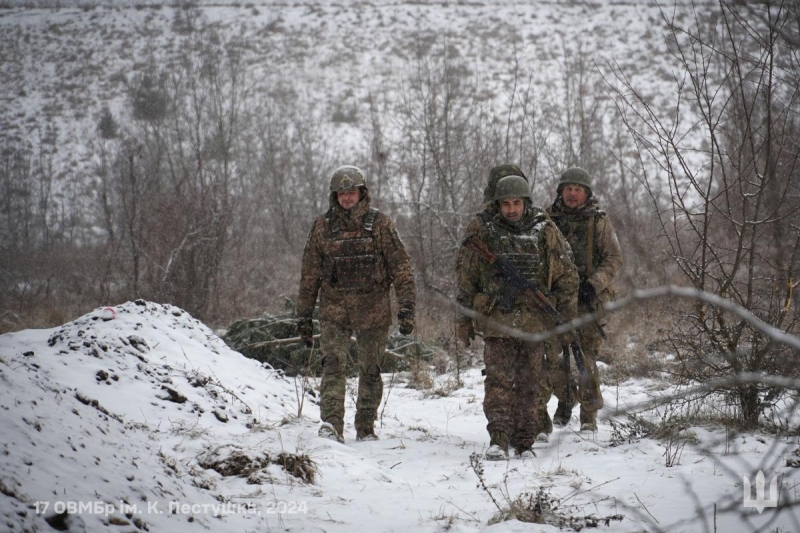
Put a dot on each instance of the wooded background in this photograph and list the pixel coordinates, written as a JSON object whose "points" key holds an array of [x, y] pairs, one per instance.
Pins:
{"points": [[200, 191]]}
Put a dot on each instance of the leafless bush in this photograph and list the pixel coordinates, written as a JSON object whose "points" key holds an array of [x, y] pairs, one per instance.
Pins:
{"points": [[207, 182], [727, 221], [538, 508]]}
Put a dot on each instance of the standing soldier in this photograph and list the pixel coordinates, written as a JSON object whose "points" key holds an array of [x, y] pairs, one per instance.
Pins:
{"points": [[352, 257], [543, 426], [598, 257], [523, 235], [466, 330]]}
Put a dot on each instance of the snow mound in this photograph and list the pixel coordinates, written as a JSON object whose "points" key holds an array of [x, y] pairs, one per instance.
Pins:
{"points": [[127, 415], [139, 418]]}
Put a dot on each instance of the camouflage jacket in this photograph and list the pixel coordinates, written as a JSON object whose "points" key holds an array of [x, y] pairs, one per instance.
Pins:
{"points": [[352, 268], [605, 252], [546, 260]]}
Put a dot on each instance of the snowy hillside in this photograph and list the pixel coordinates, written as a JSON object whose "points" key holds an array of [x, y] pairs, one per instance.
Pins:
{"points": [[138, 417], [62, 62]]}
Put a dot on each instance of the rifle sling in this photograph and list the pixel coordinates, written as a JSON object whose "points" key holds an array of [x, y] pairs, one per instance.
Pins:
{"points": [[590, 246]]}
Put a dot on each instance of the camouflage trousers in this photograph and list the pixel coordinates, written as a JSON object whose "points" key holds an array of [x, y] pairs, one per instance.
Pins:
{"points": [[371, 348], [513, 375], [560, 383]]}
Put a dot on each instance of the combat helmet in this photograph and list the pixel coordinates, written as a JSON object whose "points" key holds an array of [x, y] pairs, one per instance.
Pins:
{"points": [[575, 175], [347, 177], [511, 187], [496, 174]]}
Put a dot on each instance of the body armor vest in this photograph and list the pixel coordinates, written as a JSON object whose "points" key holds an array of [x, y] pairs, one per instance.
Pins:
{"points": [[575, 229], [352, 260], [525, 251]]}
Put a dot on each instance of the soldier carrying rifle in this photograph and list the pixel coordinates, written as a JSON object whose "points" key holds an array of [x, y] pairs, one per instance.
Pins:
{"points": [[529, 244], [598, 257]]}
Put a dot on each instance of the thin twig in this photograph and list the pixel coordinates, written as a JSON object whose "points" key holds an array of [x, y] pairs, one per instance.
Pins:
{"points": [[579, 492], [472, 516], [647, 510]]}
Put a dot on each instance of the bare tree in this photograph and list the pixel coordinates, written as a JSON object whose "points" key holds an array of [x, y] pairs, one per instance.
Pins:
{"points": [[729, 218], [168, 194], [441, 156]]}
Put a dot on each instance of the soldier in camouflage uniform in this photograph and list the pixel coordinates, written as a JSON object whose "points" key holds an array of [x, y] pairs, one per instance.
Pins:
{"points": [[525, 236], [352, 257], [489, 207], [543, 425], [598, 258]]}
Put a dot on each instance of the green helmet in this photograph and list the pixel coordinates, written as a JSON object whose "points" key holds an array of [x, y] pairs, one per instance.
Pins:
{"points": [[511, 187], [495, 175], [347, 177], [578, 176]]}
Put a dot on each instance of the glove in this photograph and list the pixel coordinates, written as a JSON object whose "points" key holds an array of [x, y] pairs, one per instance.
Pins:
{"points": [[405, 317], [465, 333], [586, 293], [305, 327]]}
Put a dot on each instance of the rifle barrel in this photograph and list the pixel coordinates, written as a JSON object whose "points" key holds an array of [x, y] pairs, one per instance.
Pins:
{"points": [[297, 340]]}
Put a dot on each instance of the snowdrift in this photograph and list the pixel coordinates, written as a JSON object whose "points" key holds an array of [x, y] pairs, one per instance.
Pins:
{"points": [[139, 418], [137, 414]]}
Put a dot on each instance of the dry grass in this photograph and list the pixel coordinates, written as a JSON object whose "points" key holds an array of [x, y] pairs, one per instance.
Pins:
{"points": [[420, 375], [635, 337], [240, 464], [299, 465]]}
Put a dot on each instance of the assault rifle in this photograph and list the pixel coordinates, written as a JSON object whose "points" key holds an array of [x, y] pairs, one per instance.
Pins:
{"points": [[593, 309], [516, 283]]}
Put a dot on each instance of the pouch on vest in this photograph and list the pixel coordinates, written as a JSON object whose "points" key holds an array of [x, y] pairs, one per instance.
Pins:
{"points": [[354, 265]]}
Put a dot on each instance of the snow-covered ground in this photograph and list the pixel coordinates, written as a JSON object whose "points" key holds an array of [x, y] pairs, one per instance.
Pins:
{"points": [[128, 417]]}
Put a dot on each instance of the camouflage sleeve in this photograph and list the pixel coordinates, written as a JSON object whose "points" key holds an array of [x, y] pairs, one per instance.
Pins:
{"points": [[562, 273], [610, 255], [311, 271], [467, 272], [398, 264]]}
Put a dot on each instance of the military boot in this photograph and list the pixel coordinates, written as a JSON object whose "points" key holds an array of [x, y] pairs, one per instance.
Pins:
{"points": [[365, 424], [327, 431], [498, 446], [366, 434], [588, 421], [543, 425], [525, 453], [562, 415]]}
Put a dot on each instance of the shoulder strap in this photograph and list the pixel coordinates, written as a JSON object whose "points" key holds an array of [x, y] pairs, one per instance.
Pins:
{"points": [[590, 246], [367, 222], [333, 225], [369, 219], [550, 259]]}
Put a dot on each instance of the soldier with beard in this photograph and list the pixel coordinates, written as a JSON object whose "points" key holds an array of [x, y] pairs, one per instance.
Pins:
{"points": [[466, 333], [352, 257], [525, 236], [598, 258]]}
